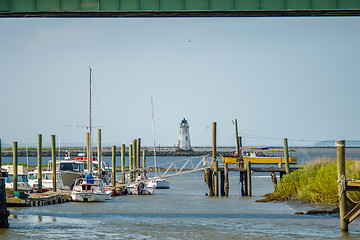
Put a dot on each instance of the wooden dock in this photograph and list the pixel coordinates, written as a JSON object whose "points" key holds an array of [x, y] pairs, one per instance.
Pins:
{"points": [[39, 199]]}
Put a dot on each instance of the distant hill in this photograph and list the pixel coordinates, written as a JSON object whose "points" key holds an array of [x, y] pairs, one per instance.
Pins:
{"points": [[331, 143]]}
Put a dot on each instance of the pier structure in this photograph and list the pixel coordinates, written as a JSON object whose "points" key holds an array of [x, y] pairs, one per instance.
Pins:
{"points": [[348, 208], [184, 137]]}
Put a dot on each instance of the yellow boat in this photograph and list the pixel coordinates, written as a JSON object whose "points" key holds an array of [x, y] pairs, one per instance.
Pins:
{"points": [[262, 155]]}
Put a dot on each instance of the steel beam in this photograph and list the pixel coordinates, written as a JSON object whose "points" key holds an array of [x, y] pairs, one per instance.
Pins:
{"points": [[177, 8]]}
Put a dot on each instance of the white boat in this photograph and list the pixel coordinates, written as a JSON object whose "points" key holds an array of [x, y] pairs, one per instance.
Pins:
{"points": [[89, 189], [68, 171], [142, 188], [22, 178], [47, 180], [162, 183]]}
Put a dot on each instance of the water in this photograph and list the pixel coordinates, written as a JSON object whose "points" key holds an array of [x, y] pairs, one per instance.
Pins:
{"points": [[182, 212]]}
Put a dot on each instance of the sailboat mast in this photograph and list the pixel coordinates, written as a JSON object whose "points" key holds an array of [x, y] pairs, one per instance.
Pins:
{"points": [[153, 128], [90, 162]]}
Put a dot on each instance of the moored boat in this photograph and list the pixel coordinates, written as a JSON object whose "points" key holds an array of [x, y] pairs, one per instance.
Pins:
{"points": [[22, 178], [89, 189]]}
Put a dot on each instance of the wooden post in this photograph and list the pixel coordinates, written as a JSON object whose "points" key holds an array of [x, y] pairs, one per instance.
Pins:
{"points": [[208, 180], [273, 179], [138, 153], [4, 213], [15, 166], [243, 183], [215, 163], [99, 152], [216, 178], [342, 184], [248, 175], [222, 183], [39, 157], [144, 163], [134, 156], [286, 154], [226, 174], [53, 153], [214, 141], [123, 162], [130, 164], [113, 165], [88, 152], [237, 139]]}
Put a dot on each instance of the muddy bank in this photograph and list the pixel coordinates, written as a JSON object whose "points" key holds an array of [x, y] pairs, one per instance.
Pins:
{"points": [[301, 206]]}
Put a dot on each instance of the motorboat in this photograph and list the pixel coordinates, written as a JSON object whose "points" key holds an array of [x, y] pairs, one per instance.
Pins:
{"points": [[68, 171], [141, 187], [47, 180], [22, 178], [89, 189], [162, 183]]}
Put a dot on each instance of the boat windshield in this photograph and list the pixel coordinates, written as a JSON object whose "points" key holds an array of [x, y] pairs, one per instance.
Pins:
{"points": [[74, 167], [21, 178]]}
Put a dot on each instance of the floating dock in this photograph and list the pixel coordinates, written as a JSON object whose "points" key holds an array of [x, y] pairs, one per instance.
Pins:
{"points": [[38, 199]]}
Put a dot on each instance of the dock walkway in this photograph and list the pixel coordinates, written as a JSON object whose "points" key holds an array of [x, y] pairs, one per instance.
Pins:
{"points": [[39, 199]]}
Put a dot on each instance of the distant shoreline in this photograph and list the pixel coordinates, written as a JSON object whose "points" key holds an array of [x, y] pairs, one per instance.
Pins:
{"points": [[160, 151]]}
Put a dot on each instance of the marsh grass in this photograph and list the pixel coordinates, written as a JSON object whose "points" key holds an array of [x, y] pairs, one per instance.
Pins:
{"points": [[317, 181]]}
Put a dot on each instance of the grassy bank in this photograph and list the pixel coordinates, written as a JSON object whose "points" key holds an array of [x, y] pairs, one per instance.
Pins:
{"points": [[315, 182]]}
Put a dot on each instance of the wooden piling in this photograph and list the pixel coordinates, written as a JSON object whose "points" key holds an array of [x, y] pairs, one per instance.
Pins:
{"points": [[222, 183], [237, 139], [39, 158], [15, 166], [273, 179], [286, 154], [134, 156], [243, 183], [130, 163], [144, 163], [53, 154], [226, 178], [138, 153], [113, 165], [215, 163], [4, 213], [214, 141], [99, 152], [342, 184], [209, 181], [248, 176], [216, 178], [123, 162]]}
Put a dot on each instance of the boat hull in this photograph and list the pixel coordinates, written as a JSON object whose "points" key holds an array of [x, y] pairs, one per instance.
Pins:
{"points": [[90, 197], [162, 184], [140, 189]]}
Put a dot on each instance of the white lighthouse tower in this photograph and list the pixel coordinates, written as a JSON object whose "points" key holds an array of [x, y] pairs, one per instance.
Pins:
{"points": [[184, 138]]}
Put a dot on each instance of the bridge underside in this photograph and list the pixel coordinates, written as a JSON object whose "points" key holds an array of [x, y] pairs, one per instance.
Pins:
{"points": [[177, 8]]}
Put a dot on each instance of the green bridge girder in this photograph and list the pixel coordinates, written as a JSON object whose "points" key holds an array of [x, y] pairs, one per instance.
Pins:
{"points": [[177, 8]]}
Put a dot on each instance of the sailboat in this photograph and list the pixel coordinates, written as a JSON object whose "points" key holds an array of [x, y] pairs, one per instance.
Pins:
{"points": [[161, 183], [90, 188]]}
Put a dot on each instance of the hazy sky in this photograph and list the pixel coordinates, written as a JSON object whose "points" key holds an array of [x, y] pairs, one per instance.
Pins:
{"points": [[280, 77]]}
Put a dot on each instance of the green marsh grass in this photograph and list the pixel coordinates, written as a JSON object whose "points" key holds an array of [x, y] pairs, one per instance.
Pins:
{"points": [[317, 181]]}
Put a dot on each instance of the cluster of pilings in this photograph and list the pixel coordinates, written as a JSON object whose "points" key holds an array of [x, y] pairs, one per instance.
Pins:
{"points": [[243, 167]]}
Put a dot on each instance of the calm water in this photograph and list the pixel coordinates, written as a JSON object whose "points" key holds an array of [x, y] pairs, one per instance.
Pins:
{"points": [[182, 212]]}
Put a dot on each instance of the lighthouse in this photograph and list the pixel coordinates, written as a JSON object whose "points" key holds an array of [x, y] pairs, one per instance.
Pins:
{"points": [[184, 138]]}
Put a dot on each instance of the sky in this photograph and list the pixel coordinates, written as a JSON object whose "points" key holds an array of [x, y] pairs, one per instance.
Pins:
{"points": [[295, 78]]}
